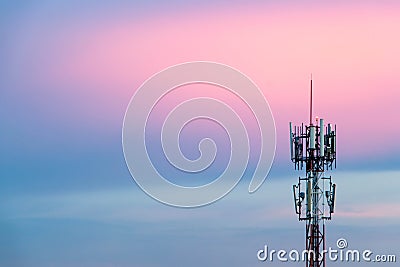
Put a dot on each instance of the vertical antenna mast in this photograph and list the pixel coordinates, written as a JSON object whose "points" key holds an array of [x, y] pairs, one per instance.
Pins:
{"points": [[314, 194], [311, 101]]}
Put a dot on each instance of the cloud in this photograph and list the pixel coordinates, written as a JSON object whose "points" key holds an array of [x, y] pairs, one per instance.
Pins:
{"points": [[360, 195]]}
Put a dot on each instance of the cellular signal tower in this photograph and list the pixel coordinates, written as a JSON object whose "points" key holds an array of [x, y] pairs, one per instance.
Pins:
{"points": [[314, 146]]}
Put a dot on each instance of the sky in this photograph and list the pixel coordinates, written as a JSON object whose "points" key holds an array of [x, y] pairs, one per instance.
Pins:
{"points": [[68, 70]]}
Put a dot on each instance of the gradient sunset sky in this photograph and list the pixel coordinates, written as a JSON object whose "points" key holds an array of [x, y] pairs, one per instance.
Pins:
{"points": [[69, 68]]}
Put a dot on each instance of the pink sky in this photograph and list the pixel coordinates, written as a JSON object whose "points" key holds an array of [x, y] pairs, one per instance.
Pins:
{"points": [[352, 52]]}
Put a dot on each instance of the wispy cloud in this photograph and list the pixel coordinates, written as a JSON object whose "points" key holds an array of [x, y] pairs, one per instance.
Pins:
{"points": [[359, 195]]}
